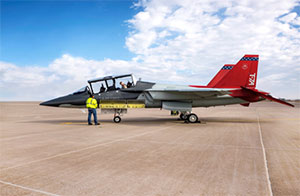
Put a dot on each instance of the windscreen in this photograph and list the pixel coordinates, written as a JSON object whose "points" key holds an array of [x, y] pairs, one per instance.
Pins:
{"points": [[81, 90]]}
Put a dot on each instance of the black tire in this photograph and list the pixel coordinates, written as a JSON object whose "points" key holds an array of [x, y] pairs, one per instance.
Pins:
{"points": [[192, 118], [117, 119], [183, 116]]}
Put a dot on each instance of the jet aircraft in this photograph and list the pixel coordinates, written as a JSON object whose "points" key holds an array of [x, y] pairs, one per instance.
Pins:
{"points": [[233, 84]]}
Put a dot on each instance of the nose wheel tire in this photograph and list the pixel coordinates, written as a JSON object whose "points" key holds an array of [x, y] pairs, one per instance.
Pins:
{"points": [[192, 118], [117, 119]]}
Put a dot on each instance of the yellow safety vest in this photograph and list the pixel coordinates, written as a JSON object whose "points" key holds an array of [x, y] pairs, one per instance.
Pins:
{"points": [[91, 103]]}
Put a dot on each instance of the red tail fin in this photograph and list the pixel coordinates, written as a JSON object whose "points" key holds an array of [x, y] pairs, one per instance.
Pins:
{"points": [[223, 71], [244, 73]]}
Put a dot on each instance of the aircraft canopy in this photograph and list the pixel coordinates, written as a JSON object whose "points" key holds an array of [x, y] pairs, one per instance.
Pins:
{"points": [[108, 83], [110, 77]]}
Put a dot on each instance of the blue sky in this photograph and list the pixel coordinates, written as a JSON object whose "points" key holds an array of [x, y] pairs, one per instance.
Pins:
{"points": [[59, 45], [36, 32]]}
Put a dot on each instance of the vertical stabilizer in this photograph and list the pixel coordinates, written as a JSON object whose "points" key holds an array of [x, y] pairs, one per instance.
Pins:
{"points": [[223, 71], [244, 73]]}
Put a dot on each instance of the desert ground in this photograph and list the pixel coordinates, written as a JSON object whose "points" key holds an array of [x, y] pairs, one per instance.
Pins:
{"points": [[235, 150]]}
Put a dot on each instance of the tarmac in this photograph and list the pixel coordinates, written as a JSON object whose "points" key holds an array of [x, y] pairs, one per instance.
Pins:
{"points": [[235, 150]]}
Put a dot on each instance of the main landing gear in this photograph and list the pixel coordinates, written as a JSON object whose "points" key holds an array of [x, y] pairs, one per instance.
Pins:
{"points": [[189, 117]]}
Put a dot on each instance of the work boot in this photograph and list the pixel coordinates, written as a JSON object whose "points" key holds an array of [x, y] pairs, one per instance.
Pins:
{"points": [[97, 124], [90, 124]]}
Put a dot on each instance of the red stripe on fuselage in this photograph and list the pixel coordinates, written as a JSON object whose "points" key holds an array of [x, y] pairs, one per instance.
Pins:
{"points": [[245, 95]]}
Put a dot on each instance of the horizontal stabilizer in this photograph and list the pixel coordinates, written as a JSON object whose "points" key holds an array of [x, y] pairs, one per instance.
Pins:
{"points": [[268, 96]]}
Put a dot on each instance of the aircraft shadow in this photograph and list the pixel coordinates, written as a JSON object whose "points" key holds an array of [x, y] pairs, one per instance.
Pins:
{"points": [[150, 121], [129, 121], [229, 120]]}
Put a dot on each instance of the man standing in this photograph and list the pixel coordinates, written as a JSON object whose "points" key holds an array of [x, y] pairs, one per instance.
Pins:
{"points": [[91, 104]]}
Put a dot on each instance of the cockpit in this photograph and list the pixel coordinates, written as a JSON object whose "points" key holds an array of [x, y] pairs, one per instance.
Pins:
{"points": [[111, 83]]}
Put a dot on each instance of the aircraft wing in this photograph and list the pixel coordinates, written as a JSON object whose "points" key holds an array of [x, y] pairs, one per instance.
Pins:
{"points": [[186, 94]]}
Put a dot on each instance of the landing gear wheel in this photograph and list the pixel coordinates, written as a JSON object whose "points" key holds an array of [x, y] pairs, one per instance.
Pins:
{"points": [[192, 118], [183, 116], [117, 119]]}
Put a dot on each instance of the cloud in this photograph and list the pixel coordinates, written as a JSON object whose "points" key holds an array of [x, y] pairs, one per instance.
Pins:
{"points": [[65, 75], [197, 37], [183, 42]]}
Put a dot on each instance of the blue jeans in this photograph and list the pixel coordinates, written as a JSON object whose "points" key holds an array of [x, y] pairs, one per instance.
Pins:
{"points": [[94, 112]]}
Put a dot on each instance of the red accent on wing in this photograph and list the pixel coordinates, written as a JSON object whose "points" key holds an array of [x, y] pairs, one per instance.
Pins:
{"points": [[266, 96], [199, 86], [277, 100]]}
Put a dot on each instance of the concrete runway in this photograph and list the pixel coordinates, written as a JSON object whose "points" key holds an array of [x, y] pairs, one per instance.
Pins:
{"points": [[235, 151]]}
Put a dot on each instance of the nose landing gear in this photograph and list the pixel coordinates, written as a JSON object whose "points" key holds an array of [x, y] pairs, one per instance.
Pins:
{"points": [[117, 119], [118, 113]]}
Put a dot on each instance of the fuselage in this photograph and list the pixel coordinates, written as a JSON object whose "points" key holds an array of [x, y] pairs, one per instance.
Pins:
{"points": [[154, 95]]}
